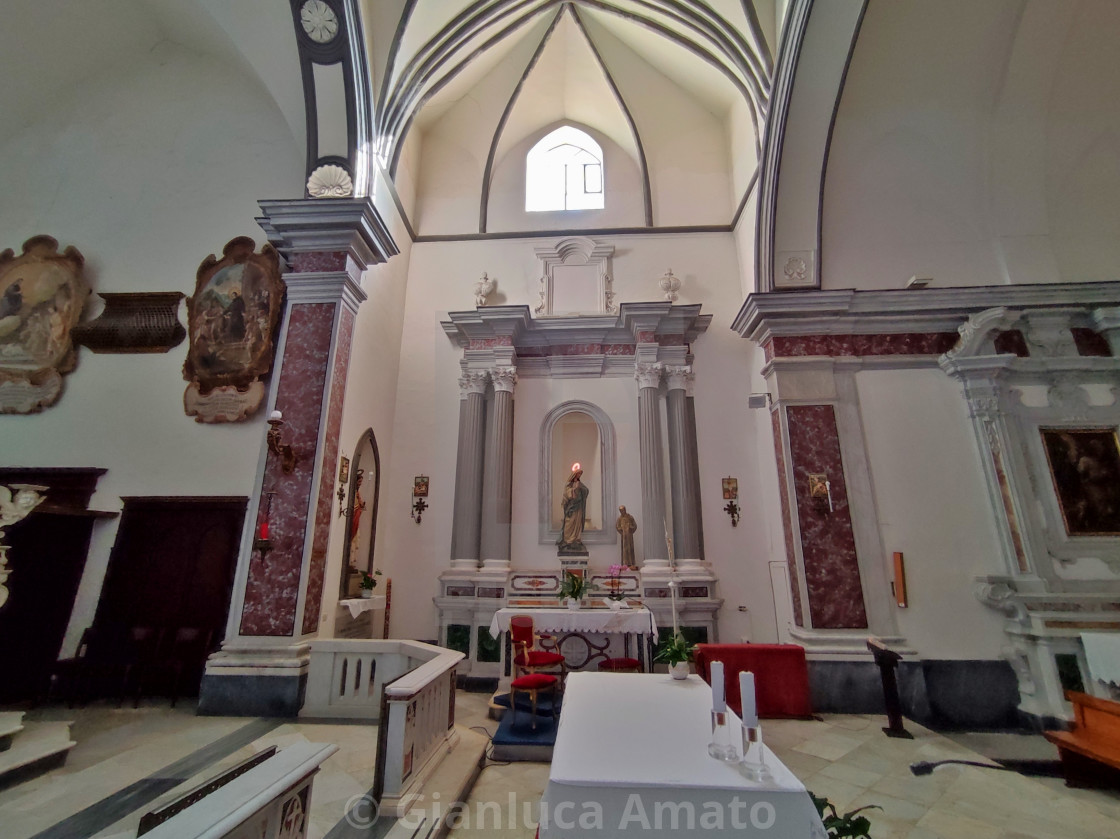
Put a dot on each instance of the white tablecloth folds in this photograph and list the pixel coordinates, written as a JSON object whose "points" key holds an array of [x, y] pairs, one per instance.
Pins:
{"points": [[631, 758], [357, 605], [634, 621]]}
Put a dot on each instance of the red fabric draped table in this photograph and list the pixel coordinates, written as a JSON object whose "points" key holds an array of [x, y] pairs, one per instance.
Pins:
{"points": [[781, 676]]}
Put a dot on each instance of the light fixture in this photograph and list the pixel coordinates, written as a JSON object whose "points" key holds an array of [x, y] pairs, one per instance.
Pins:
{"points": [[263, 543], [16, 504], [758, 400], [286, 454], [918, 282]]}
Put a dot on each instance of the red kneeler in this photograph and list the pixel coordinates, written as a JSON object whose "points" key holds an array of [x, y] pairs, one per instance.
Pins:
{"points": [[781, 676], [532, 684], [620, 665]]}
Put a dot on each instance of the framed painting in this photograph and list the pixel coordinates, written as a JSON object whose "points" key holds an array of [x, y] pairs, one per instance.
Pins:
{"points": [[730, 489], [420, 486], [232, 321], [42, 294], [1085, 470]]}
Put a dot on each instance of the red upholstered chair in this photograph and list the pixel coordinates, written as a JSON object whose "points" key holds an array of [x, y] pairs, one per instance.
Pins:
{"points": [[532, 684], [620, 665], [527, 657], [781, 676]]}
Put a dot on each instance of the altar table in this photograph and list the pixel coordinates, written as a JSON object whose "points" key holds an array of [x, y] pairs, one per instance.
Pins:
{"points": [[635, 621], [631, 758]]}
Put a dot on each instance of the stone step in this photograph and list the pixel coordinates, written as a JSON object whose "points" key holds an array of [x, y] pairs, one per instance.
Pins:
{"points": [[11, 724], [40, 746]]}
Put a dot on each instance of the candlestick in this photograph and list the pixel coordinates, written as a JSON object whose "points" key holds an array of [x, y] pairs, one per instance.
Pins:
{"points": [[746, 695], [719, 699], [721, 747]]}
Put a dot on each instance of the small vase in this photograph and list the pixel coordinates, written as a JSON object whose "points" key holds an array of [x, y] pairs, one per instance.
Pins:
{"points": [[574, 604], [367, 593], [679, 670]]}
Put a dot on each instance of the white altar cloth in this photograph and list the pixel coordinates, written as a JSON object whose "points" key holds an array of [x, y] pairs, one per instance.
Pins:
{"points": [[357, 605], [1102, 653], [633, 748], [637, 621]]}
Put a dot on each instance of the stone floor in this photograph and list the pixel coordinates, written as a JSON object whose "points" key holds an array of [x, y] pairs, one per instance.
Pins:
{"points": [[846, 758]]}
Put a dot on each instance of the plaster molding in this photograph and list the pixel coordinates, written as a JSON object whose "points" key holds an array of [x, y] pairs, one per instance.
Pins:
{"points": [[678, 378], [473, 382], [575, 252], [350, 225], [324, 287], [504, 378], [648, 375]]}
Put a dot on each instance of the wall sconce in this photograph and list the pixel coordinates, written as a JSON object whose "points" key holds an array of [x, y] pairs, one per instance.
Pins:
{"points": [[731, 495], [820, 490], [419, 493], [343, 478], [287, 456], [262, 543]]}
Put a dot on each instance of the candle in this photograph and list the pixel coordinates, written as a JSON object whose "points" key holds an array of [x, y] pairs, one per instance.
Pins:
{"points": [[719, 700], [264, 529], [746, 693], [673, 603]]}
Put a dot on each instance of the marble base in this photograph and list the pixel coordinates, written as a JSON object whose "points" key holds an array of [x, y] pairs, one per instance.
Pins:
{"points": [[464, 564], [251, 696], [943, 694]]}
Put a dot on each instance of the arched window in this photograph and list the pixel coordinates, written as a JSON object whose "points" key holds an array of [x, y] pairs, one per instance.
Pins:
{"points": [[564, 171]]}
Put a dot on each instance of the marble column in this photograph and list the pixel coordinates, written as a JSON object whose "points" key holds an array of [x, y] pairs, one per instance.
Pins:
{"points": [[652, 470], [682, 467], [497, 482], [276, 605], [468, 470]]}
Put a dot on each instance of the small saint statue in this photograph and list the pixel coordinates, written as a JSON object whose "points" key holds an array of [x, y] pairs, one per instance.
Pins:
{"points": [[574, 504], [626, 526]]}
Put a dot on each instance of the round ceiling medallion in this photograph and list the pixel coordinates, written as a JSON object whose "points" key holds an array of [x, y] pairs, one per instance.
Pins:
{"points": [[319, 21]]}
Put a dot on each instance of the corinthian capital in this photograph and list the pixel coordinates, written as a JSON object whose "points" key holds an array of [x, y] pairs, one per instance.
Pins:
{"points": [[648, 375], [679, 378], [504, 378], [473, 382]]}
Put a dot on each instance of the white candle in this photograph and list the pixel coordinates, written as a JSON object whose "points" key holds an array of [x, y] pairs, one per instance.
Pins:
{"points": [[746, 694], [719, 700], [673, 603]]}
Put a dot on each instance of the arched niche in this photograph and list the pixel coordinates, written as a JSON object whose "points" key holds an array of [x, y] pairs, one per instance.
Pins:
{"points": [[578, 431], [361, 513]]}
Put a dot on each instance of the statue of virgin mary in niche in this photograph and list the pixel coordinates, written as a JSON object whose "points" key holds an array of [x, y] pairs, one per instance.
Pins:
{"points": [[574, 504]]}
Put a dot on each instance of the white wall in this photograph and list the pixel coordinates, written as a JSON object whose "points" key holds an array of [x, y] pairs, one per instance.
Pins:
{"points": [[145, 170], [933, 507], [440, 280]]}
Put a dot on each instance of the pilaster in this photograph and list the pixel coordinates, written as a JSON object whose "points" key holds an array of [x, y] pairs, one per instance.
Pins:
{"points": [[652, 470], [497, 484]]}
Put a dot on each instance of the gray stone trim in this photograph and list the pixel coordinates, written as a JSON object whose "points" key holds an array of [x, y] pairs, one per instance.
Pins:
{"points": [[324, 287], [350, 225], [607, 457]]}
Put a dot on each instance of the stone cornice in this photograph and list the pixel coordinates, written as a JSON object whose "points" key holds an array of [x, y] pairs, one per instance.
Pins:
{"points": [[349, 225], [324, 287], [894, 311], [514, 326]]}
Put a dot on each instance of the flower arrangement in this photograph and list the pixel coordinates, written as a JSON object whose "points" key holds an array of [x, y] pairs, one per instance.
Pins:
{"points": [[614, 584], [369, 582], [573, 587], [851, 825]]}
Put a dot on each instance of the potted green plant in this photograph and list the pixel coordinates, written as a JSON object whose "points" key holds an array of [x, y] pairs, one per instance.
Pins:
{"points": [[573, 588], [851, 825], [369, 583], [677, 653]]}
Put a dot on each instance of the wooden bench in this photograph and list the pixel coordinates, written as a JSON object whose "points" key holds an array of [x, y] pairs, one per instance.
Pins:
{"points": [[1091, 751]]}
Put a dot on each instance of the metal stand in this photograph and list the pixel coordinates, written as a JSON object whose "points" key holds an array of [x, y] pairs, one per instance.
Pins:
{"points": [[887, 662]]}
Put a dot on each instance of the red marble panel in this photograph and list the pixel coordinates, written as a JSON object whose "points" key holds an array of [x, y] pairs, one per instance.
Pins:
{"points": [[905, 343], [768, 350], [272, 587], [1011, 341], [787, 521], [318, 261], [490, 343], [576, 349], [1092, 343], [618, 349], [671, 340], [325, 504], [647, 337], [827, 543]]}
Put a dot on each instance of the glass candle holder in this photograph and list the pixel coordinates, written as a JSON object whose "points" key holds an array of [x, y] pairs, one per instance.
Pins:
{"points": [[754, 756], [721, 747]]}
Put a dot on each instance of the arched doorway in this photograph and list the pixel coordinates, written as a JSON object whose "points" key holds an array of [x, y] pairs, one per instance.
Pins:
{"points": [[361, 514]]}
